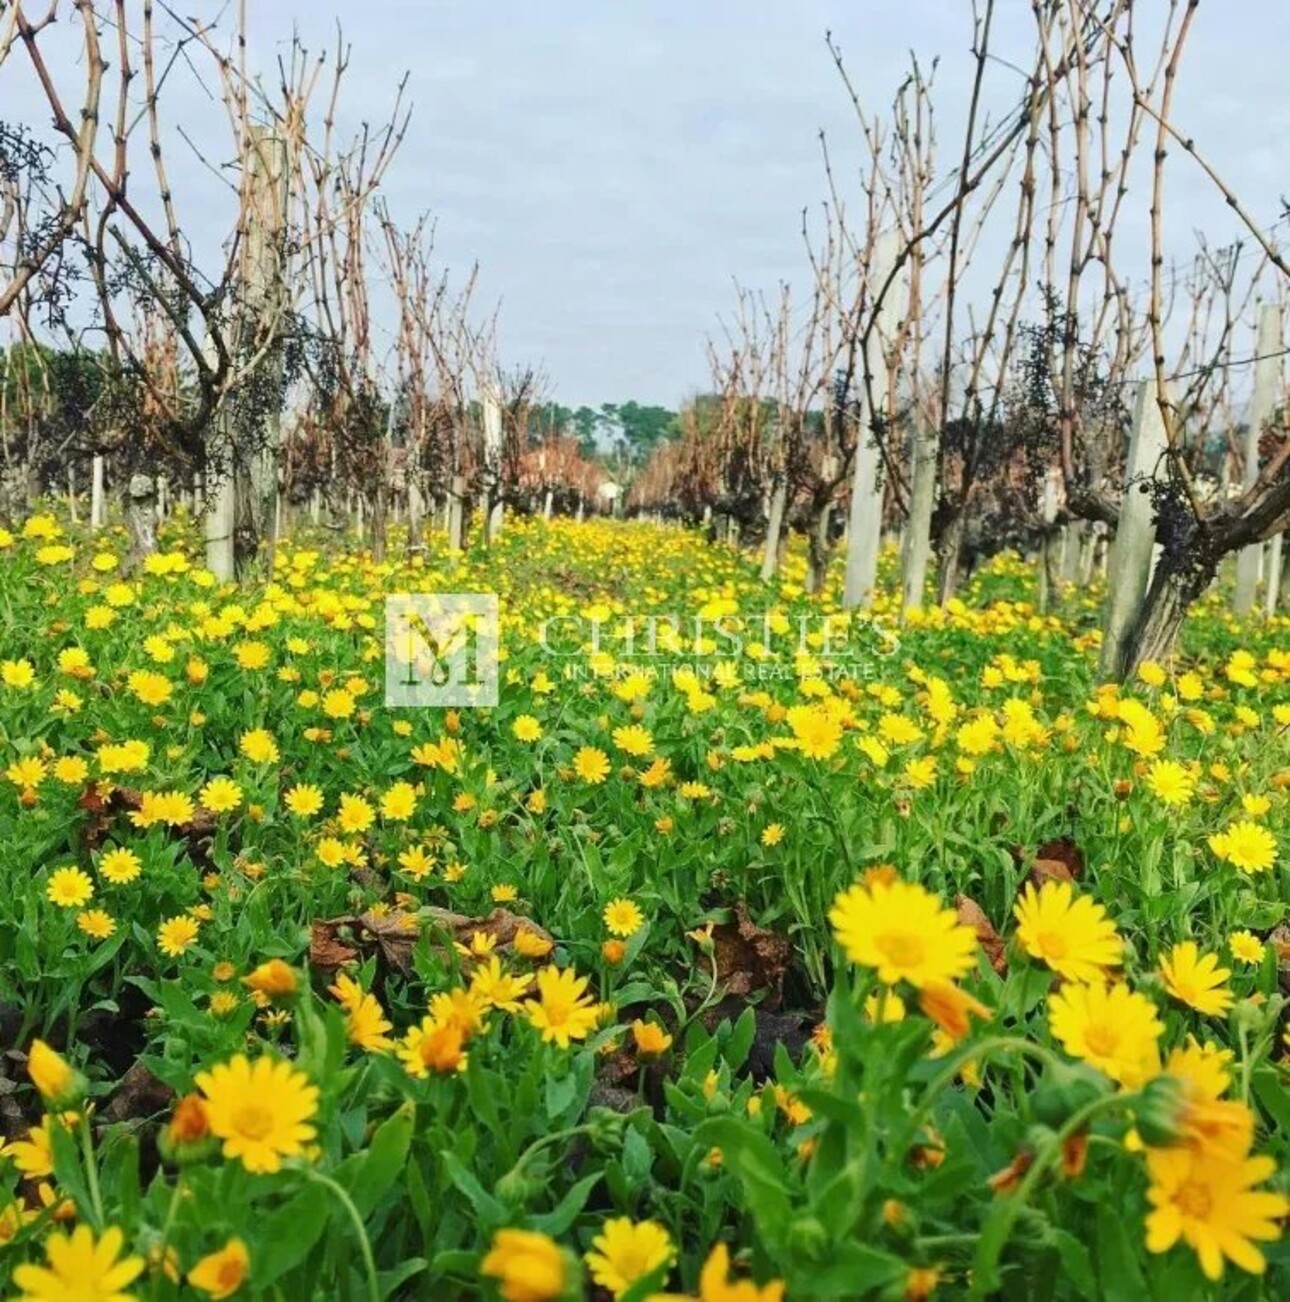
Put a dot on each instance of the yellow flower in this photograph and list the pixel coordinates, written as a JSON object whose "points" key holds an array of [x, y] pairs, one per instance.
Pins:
{"points": [[1170, 782], [120, 866], [623, 917], [903, 931], [18, 674], [1195, 979], [258, 746], [1071, 933], [625, 1251], [338, 704], [1246, 845], [772, 834], [95, 924], [28, 772], [715, 1284], [365, 1022], [71, 770], [658, 774], [528, 944], [650, 1038], [1246, 947], [495, 988], [304, 800], [51, 1074], [921, 773], [434, 1046], [220, 1274], [176, 935], [355, 814], [221, 795], [262, 1110], [817, 732], [169, 807], [274, 978], [69, 888], [633, 740], [884, 1006], [149, 687], [399, 803], [526, 728], [527, 1266], [1208, 1199], [563, 1011], [1113, 1029], [591, 765], [951, 1008], [977, 737], [79, 1269]]}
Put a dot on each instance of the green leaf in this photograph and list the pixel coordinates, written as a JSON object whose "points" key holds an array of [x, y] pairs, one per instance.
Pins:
{"points": [[384, 1160], [285, 1237], [1117, 1258], [565, 1212], [491, 1211]]}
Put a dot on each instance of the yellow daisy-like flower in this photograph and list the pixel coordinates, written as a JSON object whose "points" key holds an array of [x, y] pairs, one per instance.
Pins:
{"points": [[526, 728], [120, 866], [71, 770], [69, 888], [633, 740], [817, 732], [1070, 933], [1246, 947], [528, 1267], [259, 746], [28, 772], [95, 924], [338, 704], [80, 1269], [626, 1250], [772, 834], [221, 795], [563, 1011], [1195, 979], [169, 807], [150, 687], [1208, 1199], [354, 814], [176, 935], [903, 931], [1112, 1028], [262, 1110], [591, 765], [715, 1284], [303, 800], [623, 917], [366, 1024], [495, 988], [433, 1046], [1246, 845], [399, 803], [1171, 782], [220, 1274]]}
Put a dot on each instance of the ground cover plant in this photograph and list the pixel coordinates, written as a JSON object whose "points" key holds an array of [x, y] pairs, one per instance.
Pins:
{"points": [[850, 960]]}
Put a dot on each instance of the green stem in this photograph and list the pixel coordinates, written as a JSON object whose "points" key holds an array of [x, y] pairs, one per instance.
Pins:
{"points": [[167, 1226], [364, 1243], [995, 1236], [92, 1170]]}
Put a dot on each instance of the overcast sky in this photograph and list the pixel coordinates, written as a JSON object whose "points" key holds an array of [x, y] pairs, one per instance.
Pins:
{"points": [[614, 167]]}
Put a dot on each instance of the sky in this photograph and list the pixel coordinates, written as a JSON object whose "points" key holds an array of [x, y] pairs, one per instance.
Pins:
{"points": [[615, 168]]}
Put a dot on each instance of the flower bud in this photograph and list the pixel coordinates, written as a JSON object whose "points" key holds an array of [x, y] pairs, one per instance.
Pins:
{"points": [[1160, 1111], [59, 1083]]}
